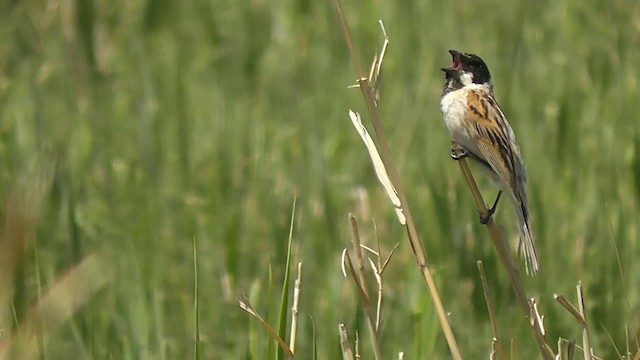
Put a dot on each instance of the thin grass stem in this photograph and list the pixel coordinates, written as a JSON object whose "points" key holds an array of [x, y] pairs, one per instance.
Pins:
{"points": [[492, 316]]}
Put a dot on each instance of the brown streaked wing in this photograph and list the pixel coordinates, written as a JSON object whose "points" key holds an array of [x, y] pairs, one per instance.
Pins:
{"points": [[491, 133]]}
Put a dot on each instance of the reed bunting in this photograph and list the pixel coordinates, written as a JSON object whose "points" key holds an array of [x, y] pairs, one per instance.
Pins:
{"points": [[480, 131]]}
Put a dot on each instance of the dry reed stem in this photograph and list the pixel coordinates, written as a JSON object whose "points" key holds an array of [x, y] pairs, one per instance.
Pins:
{"points": [[560, 354], [570, 308], [571, 349], [294, 309], [378, 270], [507, 261], [497, 344], [581, 316], [358, 278], [347, 353], [378, 273], [357, 249], [412, 233], [586, 343]]}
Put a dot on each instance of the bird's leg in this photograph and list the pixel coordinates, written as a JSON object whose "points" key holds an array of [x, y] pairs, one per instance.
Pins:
{"points": [[458, 152], [484, 219]]}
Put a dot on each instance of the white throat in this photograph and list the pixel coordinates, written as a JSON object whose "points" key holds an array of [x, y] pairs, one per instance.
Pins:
{"points": [[466, 78]]}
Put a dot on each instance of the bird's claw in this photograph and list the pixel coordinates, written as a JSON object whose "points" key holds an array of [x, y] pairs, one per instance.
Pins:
{"points": [[458, 152], [486, 218]]}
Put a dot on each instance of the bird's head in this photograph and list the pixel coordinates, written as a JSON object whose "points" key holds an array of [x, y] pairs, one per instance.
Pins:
{"points": [[466, 69]]}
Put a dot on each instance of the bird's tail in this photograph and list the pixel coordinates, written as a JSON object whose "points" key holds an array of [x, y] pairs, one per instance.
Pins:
{"points": [[527, 242]]}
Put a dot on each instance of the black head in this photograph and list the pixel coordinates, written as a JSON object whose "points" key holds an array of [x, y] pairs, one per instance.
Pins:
{"points": [[467, 69]]}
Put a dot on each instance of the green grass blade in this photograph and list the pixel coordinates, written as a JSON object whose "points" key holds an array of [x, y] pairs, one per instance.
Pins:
{"points": [[284, 302]]}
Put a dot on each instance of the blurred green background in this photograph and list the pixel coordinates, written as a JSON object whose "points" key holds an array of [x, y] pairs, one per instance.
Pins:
{"points": [[167, 121]]}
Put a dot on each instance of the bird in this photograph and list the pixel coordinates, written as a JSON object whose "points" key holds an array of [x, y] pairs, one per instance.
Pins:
{"points": [[480, 131]]}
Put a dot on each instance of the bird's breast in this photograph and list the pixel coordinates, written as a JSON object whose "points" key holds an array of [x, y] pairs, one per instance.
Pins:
{"points": [[454, 108]]}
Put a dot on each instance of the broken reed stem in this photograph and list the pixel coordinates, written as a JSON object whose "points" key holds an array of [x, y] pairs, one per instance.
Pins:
{"points": [[504, 254], [360, 282], [347, 353], [586, 344], [492, 317], [570, 308], [385, 154], [294, 309], [355, 236], [581, 316]]}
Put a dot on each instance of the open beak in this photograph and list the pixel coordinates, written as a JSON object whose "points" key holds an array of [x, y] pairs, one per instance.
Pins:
{"points": [[455, 64]]}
